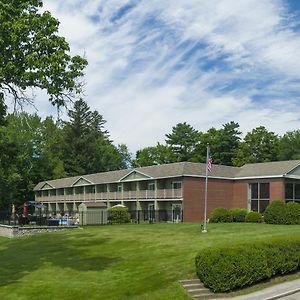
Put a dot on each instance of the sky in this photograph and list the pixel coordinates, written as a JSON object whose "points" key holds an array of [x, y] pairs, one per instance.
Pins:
{"points": [[153, 64]]}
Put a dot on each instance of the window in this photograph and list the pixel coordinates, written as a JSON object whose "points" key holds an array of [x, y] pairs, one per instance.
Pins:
{"points": [[297, 191], [119, 188], [292, 191], [151, 186], [264, 190], [176, 185], [289, 194], [254, 190], [259, 196]]}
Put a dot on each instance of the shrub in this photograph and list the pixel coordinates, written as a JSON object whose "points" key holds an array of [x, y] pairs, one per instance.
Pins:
{"points": [[293, 213], [238, 214], [119, 215], [225, 269], [253, 217], [276, 213], [220, 215]]}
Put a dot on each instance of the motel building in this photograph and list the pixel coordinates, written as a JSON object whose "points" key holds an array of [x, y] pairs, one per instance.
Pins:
{"points": [[176, 191]]}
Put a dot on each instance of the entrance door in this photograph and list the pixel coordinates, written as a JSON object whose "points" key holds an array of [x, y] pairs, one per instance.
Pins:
{"points": [[176, 213], [151, 212]]}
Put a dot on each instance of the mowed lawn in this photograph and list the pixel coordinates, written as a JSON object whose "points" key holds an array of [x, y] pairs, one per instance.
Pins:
{"points": [[116, 262]]}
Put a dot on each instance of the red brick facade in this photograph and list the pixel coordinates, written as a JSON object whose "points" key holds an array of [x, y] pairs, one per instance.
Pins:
{"points": [[221, 193]]}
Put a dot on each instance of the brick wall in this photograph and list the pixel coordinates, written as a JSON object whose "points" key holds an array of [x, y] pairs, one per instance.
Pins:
{"points": [[277, 189], [220, 194]]}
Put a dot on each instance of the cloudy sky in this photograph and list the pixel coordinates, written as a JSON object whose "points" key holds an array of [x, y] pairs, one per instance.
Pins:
{"points": [[155, 63]]}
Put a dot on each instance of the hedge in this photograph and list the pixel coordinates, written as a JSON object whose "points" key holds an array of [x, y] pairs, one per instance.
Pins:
{"points": [[279, 212], [238, 214], [253, 217], [220, 215], [224, 269]]}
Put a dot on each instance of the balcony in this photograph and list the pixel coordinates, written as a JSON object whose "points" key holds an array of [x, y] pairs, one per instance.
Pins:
{"points": [[159, 194]]}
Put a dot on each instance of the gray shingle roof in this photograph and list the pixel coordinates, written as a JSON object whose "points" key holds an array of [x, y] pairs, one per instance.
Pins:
{"points": [[278, 168]]}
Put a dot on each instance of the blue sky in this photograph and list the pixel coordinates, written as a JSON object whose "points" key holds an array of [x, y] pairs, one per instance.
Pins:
{"points": [[153, 64]]}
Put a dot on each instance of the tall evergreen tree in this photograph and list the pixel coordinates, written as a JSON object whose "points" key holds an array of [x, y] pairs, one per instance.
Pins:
{"points": [[87, 147], [182, 140]]}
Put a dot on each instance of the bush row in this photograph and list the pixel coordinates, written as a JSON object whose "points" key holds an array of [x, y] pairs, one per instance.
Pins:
{"points": [[221, 215], [228, 268], [279, 212]]}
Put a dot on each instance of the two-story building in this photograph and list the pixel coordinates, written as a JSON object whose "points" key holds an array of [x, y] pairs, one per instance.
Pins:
{"points": [[177, 188]]}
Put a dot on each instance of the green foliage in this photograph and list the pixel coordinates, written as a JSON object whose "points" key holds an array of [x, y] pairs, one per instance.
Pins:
{"points": [[289, 146], [87, 147], [119, 215], [253, 217], [238, 214], [276, 213], [259, 145], [33, 55], [149, 156], [182, 140], [227, 268], [279, 212], [293, 213], [220, 215]]}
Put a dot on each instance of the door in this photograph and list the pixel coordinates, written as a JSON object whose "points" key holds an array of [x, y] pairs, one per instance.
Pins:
{"points": [[176, 213]]}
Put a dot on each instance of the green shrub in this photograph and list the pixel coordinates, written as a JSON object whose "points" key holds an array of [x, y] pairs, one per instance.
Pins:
{"points": [[238, 214], [119, 215], [293, 213], [228, 268], [276, 213], [220, 215], [253, 217]]}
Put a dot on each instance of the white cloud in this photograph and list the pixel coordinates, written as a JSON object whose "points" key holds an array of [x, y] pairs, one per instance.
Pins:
{"points": [[203, 62]]}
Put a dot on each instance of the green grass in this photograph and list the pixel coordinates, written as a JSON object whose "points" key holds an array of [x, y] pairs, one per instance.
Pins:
{"points": [[117, 262]]}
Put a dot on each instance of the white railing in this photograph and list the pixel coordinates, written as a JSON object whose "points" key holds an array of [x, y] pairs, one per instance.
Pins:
{"points": [[125, 195]]}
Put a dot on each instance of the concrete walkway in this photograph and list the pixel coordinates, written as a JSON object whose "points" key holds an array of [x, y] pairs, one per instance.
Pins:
{"points": [[279, 291]]}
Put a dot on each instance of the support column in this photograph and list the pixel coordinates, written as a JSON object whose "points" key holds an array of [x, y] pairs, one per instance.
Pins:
{"points": [[155, 196], [108, 195], [122, 193]]}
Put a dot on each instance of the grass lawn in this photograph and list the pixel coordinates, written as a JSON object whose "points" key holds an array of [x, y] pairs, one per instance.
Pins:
{"points": [[116, 262]]}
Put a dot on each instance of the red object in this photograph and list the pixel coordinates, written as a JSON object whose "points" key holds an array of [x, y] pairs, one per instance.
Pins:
{"points": [[25, 210]]}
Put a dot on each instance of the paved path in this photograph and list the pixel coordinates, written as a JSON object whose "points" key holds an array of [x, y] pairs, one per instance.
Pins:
{"points": [[289, 290]]}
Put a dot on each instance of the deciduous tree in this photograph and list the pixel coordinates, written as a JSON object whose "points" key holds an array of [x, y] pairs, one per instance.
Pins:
{"points": [[33, 55]]}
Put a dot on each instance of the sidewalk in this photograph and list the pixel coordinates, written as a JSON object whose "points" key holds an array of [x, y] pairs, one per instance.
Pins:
{"points": [[275, 292]]}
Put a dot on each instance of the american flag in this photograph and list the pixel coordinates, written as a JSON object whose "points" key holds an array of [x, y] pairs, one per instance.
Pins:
{"points": [[209, 161]]}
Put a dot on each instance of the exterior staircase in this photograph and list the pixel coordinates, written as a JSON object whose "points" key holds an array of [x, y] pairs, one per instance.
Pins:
{"points": [[196, 289]]}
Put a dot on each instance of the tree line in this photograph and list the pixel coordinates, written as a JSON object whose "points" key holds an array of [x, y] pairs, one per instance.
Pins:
{"points": [[34, 150], [186, 143], [33, 55]]}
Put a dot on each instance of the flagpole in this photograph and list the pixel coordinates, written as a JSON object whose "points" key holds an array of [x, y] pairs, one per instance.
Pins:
{"points": [[205, 197]]}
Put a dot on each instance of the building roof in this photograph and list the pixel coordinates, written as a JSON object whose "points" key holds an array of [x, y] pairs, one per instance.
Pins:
{"points": [[269, 169]]}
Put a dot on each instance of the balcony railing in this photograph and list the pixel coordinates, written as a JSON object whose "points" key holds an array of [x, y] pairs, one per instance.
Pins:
{"points": [[125, 195]]}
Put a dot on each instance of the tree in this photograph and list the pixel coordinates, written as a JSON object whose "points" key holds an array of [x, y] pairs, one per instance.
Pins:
{"points": [[259, 145], [182, 141], [229, 142], [289, 146], [34, 55], [20, 152], [87, 147], [125, 155], [51, 164], [223, 144], [160, 154]]}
